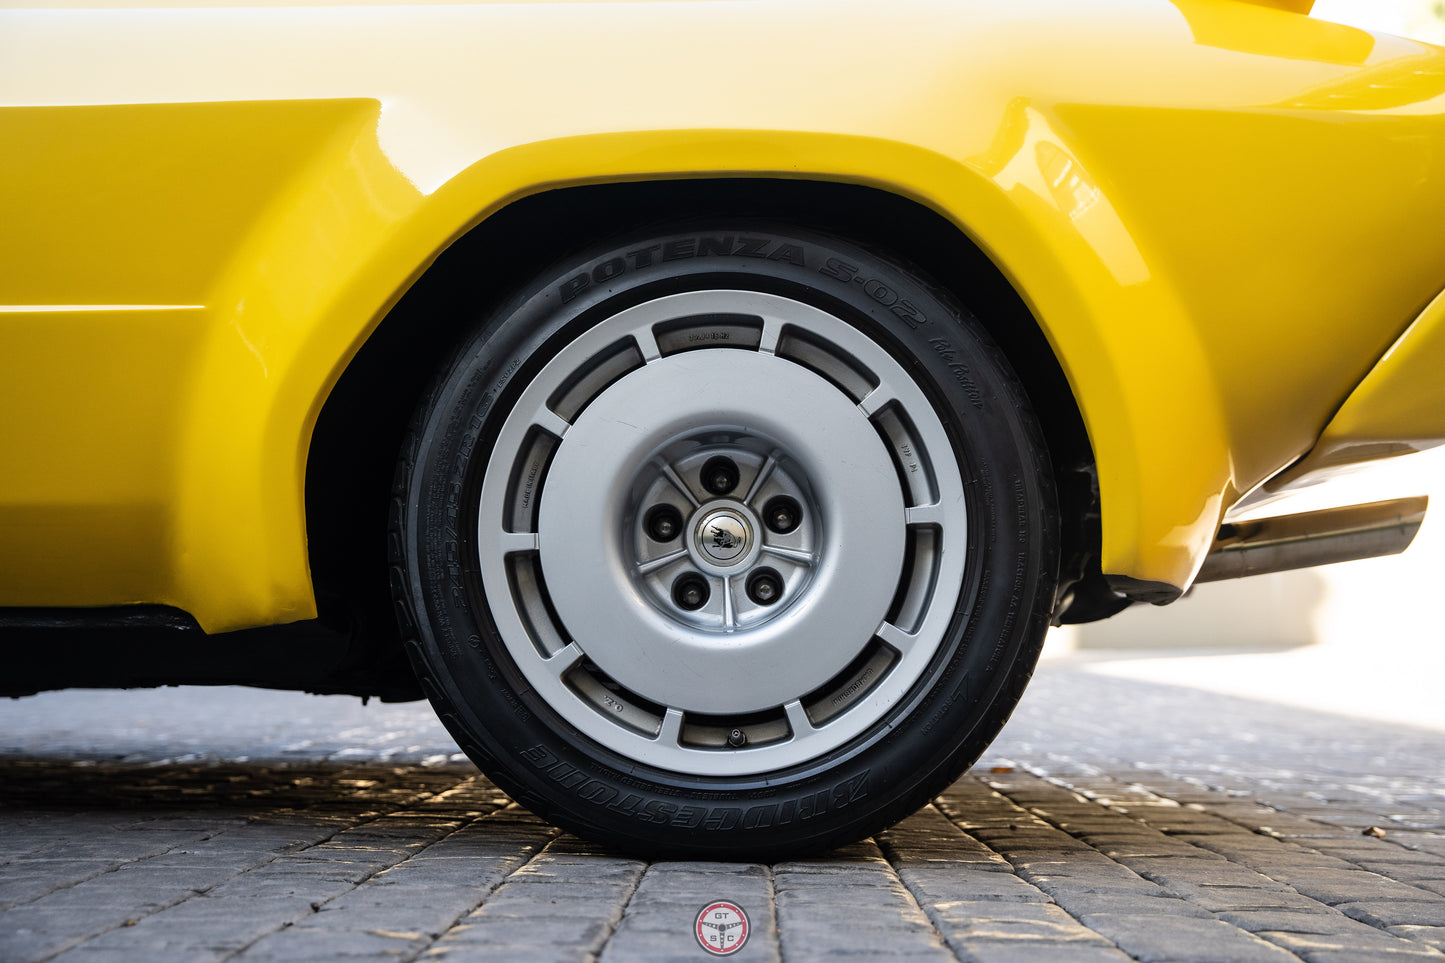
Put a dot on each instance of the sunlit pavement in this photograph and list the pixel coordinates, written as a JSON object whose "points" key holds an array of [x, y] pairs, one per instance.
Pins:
{"points": [[1114, 819]]}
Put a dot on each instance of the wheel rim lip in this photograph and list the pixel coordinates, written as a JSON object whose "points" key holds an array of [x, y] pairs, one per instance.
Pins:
{"points": [[657, 750]]}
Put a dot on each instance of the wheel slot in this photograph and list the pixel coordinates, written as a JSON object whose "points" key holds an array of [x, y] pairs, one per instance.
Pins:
{"points": [[524, 489], [916, 584], [529, 594], [914, 469], [824, 359], [593, 376], [709, 331], [624, 708], [845, 689], [700, 731]]}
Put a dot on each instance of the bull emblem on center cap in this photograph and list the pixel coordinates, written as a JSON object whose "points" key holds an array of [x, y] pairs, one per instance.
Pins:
{"points": [[722, 537]]}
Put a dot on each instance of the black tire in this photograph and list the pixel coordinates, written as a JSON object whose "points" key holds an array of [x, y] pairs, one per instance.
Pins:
{"points": [[917, 713]]}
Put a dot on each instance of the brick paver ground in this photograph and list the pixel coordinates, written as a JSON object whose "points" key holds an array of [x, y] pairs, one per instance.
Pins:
{"points": [[1113, 821]]}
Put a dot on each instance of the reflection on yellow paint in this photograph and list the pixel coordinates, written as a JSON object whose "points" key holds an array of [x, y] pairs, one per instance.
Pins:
{"points": [[1394, 411], [1074, 193], [1026, 154], [1398, 82]]}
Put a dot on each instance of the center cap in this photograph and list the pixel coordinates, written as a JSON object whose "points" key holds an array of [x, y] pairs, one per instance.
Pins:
{"points": [[723, 536]]}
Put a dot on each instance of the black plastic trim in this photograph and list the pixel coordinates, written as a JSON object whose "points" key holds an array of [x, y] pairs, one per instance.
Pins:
{"points": [[144, 646]]}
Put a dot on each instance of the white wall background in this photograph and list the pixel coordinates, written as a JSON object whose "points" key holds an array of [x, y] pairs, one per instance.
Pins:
{"points": [[1421, 19]]}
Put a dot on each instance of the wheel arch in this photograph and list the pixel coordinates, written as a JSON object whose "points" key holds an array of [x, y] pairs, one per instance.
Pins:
{"points": [[360, 427], [1068, 290]]}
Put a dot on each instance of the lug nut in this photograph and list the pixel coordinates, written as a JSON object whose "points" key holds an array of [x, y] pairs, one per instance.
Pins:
{"points": [[782, 514], [737, 739], [765, 587], [719, 475], [663, 523], [690, 591]]}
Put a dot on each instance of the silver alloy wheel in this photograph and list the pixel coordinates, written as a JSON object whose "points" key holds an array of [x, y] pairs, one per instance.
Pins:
{"points": [[721, 533]]}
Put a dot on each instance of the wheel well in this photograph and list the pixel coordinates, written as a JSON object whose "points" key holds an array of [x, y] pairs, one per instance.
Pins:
{"points": [[359, 432]]}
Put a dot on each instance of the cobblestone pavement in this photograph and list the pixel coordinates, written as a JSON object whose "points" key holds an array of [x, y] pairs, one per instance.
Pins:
{"points": [[1113, 820]]}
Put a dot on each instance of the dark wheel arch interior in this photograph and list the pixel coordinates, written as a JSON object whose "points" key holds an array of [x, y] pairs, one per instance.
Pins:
{"points": [[359, 432]]}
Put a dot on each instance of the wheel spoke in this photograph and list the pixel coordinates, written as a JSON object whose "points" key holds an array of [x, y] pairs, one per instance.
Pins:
{"points": [[561, 661], [791, 554], [519, 542], [764, 473], [550, 422], [730, 616], [877, 399], [661, 561], [798, 719], [772, 331], [679, 484], [930, 514], [894, 637], [671, 732], [647, 344]]}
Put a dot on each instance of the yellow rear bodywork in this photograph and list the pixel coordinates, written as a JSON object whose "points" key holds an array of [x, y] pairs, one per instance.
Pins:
{"points": [[1221, 215], [1396, 410]]}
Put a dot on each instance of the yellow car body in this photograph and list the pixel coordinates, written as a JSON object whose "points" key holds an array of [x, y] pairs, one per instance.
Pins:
{"points": [[1224, 219]]}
